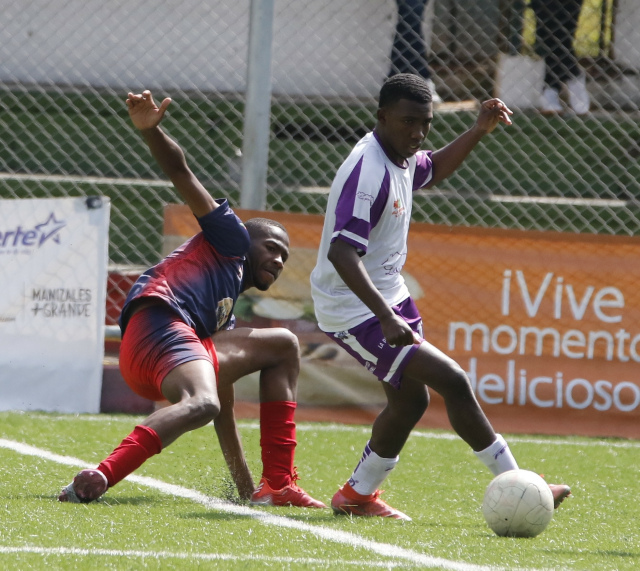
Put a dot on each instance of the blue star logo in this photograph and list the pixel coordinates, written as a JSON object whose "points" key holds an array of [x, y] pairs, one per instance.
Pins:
{"points": [[50, 229]]}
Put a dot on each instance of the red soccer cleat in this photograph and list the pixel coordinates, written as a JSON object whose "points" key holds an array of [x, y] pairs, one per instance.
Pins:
{"points": [[347, 501], [88, 485], [291, 495]]}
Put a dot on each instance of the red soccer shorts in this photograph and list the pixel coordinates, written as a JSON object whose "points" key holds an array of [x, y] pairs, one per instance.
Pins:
{"points": [[155, 342]]}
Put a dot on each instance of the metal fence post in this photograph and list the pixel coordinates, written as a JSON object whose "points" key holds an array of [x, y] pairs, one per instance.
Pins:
{"points": [[255, 146]]}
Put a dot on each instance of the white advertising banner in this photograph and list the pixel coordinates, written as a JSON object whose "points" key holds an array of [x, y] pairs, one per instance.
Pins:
{"points": [[53, 272]]}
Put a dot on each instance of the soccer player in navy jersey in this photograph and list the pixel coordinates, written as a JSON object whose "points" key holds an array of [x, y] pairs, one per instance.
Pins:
{"points": [[362, 302], [178, 342]]}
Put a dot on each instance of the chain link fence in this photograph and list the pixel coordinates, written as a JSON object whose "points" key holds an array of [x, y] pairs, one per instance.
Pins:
{"points": [[67, 65]]}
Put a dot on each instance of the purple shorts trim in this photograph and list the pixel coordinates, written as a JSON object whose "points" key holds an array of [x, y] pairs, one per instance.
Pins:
{"points": [[368, 345]]}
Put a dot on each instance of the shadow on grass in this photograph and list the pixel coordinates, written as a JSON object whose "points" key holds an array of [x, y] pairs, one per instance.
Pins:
{"points": [[628, 555]]}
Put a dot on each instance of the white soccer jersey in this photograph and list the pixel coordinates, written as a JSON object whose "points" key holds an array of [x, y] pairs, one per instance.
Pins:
{"points": [[369, 207]]}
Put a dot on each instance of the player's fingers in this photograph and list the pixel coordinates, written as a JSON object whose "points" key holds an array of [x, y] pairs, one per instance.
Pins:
{"points": [[132, 98], [504, 118], [491, 103], [408, 338], [163, 106], [505, 109], [146, 96], [497, 104]]}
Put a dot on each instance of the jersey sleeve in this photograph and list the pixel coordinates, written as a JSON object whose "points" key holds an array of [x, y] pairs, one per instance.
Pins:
{"points": [[424, 169], [361, 203], [225, 231]]}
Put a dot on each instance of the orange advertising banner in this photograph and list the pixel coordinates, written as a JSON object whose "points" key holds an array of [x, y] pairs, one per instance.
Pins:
{"points": [[546, 325]]}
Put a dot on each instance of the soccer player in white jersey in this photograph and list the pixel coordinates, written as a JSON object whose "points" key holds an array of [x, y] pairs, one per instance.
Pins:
{"points": [[362, 302]]}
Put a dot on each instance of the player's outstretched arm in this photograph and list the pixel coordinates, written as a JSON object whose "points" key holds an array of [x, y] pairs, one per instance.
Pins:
{"points": [[230, 443], [449, 158], [146, 117]]}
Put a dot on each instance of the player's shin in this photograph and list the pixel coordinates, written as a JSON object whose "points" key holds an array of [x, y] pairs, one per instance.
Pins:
{"points": [[132, 452], [278, 442]]}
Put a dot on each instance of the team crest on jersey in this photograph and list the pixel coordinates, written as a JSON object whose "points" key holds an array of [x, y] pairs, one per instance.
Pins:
{"points": [[398, 208], [223, 311]]}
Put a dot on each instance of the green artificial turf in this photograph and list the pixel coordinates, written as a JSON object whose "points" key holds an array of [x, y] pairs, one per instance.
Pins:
{"points": [[147, 525]]}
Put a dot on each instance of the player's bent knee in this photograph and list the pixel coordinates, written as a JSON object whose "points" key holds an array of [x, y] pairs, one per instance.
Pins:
{"points": [[458, 383], [202, 410], [286, 344]]}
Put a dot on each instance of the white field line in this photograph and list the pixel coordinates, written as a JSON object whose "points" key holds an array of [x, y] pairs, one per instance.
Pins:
{"points": [[326, 563], [336, 536]]}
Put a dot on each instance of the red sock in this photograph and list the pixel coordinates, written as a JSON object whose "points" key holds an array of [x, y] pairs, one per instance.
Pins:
{"points": [[278, 442], [132, 452]]}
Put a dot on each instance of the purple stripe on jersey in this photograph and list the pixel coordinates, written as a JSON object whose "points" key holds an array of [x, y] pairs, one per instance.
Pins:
{"points": [[357, 245], [358, 227], [381, 200], [344, 207], [424, 169], [345, 220]]}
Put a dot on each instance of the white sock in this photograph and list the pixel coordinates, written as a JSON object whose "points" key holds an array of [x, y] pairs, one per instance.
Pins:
{"points": [[371, 471], [498, 457]]}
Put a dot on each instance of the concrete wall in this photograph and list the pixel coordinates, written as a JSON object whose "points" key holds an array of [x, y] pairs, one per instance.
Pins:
{"points": [[324, 48]]}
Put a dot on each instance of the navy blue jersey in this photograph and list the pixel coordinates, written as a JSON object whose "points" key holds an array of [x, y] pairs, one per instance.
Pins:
{"points": [[201, 280]]}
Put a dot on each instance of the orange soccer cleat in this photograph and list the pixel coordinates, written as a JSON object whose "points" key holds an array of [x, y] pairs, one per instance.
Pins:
{"points": [[291, 495], [347, 501]]}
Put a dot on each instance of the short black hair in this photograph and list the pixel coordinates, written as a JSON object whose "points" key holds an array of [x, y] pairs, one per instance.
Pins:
{"points": [[256, 226], [404, 86]]}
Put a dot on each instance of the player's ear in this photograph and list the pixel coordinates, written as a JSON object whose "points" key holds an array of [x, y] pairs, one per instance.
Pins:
{"points": [[381, 114]]}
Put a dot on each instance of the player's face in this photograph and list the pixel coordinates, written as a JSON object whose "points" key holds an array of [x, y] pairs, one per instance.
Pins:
{"points": [[267, 255], [403, 127]]}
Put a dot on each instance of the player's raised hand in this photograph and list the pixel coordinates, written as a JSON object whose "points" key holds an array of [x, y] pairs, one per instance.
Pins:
{"points": [[144, 113], [492, 112]]}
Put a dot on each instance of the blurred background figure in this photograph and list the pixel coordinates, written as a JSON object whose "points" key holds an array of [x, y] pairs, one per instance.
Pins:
{"points": [[409, 50], [556, 24]]}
